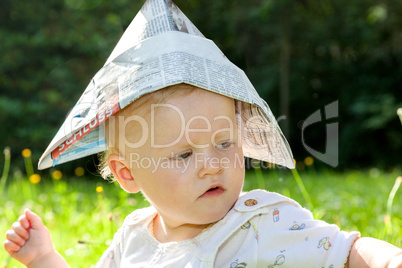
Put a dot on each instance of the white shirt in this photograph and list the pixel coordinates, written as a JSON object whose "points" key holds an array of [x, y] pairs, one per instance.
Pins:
{"points": [[263, 229]]}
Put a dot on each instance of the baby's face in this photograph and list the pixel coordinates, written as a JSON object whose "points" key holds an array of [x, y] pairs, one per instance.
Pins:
{"points": [[190, 166]]}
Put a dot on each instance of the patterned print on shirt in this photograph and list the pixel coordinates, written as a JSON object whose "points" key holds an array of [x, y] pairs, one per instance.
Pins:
{"points": [[236, 264], [280, 259], [275, 215], [324, 243], [297, 227]]}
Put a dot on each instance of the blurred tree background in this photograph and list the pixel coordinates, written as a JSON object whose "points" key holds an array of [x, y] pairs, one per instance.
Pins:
{"points": [[300, 55]]}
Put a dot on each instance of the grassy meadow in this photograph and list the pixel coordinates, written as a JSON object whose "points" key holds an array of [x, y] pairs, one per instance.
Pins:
{"points": [[83, 212]]}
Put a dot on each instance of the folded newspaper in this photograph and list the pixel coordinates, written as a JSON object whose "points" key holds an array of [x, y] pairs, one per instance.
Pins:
{"points": [[162, 47]]}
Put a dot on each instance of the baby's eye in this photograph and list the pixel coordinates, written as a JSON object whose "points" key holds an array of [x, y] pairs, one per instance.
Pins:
{"points": [[182, 156], [225, 145]]}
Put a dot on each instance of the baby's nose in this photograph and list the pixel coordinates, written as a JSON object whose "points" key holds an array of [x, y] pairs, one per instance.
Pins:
{"points": [[209, 164]]}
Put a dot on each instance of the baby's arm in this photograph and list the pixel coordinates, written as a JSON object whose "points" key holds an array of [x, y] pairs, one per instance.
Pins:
{"points": [[370, 252], [28, 241]]}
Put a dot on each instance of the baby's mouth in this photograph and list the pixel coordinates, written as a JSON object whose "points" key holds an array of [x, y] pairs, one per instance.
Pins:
{"points": [[213, 192]]}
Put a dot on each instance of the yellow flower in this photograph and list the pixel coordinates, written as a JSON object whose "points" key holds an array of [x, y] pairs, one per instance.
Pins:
{"points": [[99, 189], [26, 153], [57, 174], [308, 161], [294, 160], [269, 165], [79, 171], [34, 178]]}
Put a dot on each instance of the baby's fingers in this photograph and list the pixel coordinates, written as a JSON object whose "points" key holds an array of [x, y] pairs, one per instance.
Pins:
{"points": [[13, 237], [17, 234], [20, 230], [11, 247], [24, 221]]}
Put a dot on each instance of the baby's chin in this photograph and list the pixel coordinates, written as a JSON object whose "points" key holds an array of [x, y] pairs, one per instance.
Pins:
{"points": [[215, 217]]}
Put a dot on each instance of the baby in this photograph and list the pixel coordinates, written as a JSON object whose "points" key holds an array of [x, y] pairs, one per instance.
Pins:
{"points": [[179, 118], [181, 147]]}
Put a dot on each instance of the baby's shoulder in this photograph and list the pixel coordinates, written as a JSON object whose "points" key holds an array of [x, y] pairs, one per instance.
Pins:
{"points": [[261, 201], [260, 198], [140, 216]]}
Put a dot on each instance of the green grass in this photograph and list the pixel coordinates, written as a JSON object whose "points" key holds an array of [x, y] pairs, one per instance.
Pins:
{"points": [[82, 222]]}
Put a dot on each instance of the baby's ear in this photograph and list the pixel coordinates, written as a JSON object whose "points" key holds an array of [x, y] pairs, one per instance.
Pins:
{"points": [[121, 171]]}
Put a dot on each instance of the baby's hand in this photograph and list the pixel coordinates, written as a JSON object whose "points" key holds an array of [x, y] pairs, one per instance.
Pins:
{"points": [[28, 240]]}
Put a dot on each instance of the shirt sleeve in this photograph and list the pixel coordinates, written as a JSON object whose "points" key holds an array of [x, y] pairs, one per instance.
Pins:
{"points": [[112, 256], [292, 237]]}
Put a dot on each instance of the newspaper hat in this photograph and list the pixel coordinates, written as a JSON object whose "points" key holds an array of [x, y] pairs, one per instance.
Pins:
{"points": [[162, 47]]}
